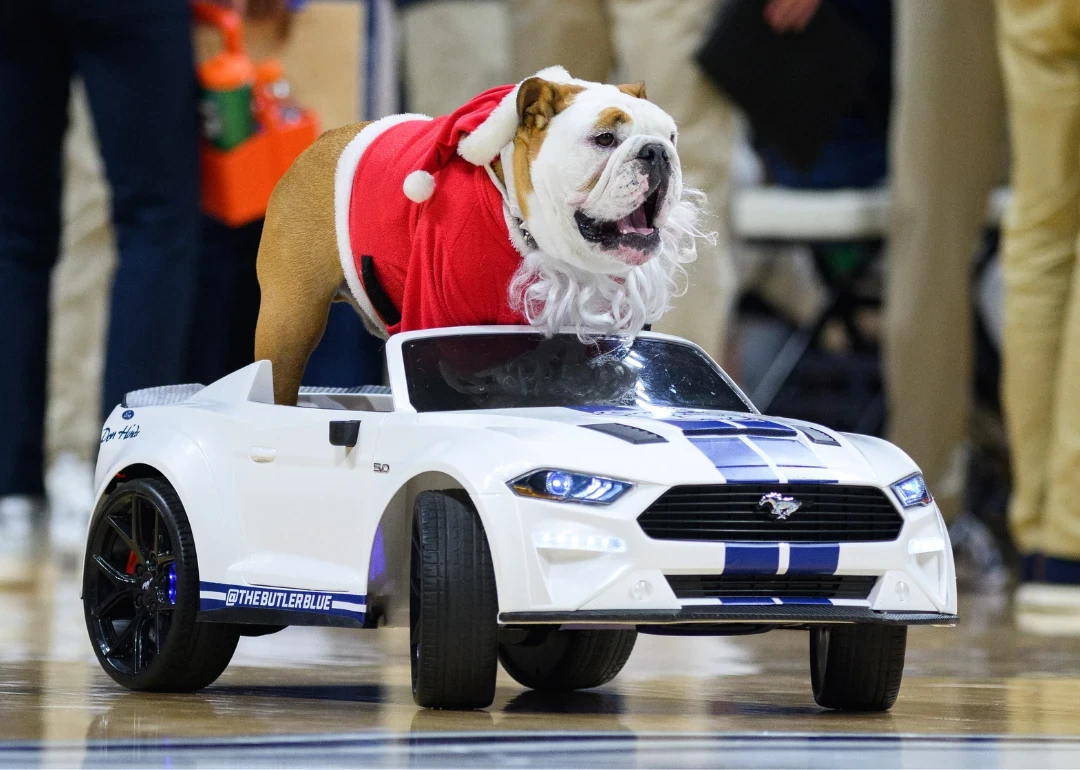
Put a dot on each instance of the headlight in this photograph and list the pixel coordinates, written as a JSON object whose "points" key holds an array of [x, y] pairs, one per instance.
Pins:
{"points": [[567, 487], [912, 491]]}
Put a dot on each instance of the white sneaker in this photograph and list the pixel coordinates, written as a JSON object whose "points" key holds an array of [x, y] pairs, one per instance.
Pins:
{"points": [[22, 524], [69, 482]]}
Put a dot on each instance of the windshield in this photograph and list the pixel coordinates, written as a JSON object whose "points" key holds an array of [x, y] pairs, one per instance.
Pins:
{"points": [[501, 371]]}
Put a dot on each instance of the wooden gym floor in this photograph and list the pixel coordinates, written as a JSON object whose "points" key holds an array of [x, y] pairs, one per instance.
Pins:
{"points": [[980, 694]]}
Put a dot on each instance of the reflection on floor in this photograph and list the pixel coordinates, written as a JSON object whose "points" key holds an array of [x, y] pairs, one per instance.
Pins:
{"points": [[347, 691]]}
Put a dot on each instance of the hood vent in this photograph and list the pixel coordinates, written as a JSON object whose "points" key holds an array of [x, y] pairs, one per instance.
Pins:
{"points": [[723, 430], [627, 433]]}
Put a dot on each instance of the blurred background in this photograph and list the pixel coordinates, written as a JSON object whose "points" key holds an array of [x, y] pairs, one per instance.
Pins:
{"points": [[860, 157]]}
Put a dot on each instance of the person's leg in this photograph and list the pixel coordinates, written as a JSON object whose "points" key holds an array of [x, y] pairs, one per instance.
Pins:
{"points": [[948, 133], [453, 50], [573, 33], [655, 42], [135, 57], [1040, 47], [226, 302], [34, 81]]}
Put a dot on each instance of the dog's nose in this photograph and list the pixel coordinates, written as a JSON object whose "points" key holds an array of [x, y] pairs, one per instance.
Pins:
{"points": [[654, 153]]}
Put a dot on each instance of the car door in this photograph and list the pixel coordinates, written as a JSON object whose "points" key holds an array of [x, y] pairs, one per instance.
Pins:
{"points": [[304, 498]]}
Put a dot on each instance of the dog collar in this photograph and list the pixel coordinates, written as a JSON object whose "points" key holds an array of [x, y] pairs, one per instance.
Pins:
{"points": [[509, 196]]}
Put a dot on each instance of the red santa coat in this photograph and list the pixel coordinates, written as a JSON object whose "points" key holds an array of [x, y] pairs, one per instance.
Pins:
{"points": [[445, 262]]}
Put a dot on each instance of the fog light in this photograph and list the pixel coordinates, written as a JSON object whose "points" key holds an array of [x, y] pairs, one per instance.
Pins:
{"points": [[574, 541], [641, 590], [903, 591]]}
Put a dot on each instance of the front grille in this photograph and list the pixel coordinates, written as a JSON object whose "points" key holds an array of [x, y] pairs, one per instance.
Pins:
{"points": [[772, 586], [830, 513]]}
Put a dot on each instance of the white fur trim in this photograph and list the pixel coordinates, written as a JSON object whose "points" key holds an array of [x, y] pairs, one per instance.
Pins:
{"points": [[418, 186], [484, 143], [343, 181]]}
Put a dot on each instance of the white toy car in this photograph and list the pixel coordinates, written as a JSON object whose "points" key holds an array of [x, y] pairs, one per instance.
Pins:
{"points": [[509, 498]]}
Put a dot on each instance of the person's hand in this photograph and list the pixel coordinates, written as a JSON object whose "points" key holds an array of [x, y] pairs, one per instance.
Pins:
{"points": [[790, 15]]}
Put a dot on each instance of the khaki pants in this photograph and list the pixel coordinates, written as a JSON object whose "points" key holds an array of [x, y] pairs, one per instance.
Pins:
{"points": [[653, 41], [453, 50], [946, 150], [80, 294], [1040, 55]]}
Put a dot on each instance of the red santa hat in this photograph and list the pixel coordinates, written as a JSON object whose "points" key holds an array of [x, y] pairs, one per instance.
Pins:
{"points": [[476, 131]]}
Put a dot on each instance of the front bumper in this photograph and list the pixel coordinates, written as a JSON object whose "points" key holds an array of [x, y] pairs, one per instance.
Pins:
{"points": [[914, 573], [785, 615]]}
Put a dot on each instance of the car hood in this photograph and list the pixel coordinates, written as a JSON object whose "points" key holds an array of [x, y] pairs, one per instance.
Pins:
{"points": [[701, 445]]}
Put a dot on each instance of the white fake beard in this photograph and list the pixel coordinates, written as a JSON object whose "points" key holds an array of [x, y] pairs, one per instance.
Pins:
{"points": [[554, 295]]}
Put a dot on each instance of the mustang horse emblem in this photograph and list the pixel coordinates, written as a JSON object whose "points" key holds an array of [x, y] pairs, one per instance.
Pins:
{"points": [[779, 506]]}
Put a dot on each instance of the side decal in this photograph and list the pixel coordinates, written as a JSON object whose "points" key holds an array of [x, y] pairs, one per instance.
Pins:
{"points": [[216, 596]]}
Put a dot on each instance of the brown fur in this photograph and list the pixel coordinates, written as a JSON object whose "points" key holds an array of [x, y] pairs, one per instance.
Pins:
{"points": [[538, 102], [636, 90], [298, 266]]}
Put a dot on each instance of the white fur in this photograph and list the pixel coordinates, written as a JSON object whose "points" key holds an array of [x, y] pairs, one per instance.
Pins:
{"points": [[554, 294], [483, 144], [347, 164], [418, 186]]}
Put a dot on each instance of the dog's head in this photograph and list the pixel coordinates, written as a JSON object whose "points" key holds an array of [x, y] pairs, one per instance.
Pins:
{"points": [[592, 171], [595, 172]]}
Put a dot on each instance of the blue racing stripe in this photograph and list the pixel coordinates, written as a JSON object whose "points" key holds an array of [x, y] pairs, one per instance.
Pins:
{"points": [[755, 559], [816, 559], [790, 453], [733, 458], [751, 423]]}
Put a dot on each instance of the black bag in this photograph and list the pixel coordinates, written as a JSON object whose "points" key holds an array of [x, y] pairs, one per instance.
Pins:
{"points": [[794, 87]]}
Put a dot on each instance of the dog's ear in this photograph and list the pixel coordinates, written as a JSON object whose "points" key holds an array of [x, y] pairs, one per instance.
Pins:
{"points": [[539, 100], [636, 90]]}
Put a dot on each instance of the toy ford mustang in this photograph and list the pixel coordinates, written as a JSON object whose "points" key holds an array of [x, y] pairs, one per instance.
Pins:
{"points": [[510, 498]]}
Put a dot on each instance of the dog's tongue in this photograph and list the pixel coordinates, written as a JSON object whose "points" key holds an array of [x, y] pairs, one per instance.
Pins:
{"points": [[635, 222]]}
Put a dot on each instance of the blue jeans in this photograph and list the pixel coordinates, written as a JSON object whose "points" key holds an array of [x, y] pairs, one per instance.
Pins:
{"points": [[136, 61]]}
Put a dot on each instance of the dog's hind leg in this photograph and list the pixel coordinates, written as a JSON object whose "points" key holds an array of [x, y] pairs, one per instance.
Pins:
{"points": [[299, 267]]}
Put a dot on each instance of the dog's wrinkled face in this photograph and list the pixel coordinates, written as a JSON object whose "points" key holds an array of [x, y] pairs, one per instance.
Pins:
{"points": [[595, 172]]}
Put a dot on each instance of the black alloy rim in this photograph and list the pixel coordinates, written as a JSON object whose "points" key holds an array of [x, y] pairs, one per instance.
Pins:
{"points": [[131, 583]]}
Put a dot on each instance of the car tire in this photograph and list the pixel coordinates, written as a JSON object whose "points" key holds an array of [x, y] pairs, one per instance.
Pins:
{"points": [[561, 661], [857, 667], [453, 608], [141, 593]]}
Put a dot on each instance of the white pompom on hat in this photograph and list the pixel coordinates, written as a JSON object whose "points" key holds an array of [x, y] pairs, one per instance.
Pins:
{"points": [[476, 131]]}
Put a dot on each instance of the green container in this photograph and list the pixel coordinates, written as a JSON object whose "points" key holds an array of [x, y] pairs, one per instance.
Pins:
{"points": [[227, 117]]}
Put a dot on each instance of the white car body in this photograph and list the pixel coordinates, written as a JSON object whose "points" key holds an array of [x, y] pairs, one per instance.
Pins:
{"points": [[291, 529]]}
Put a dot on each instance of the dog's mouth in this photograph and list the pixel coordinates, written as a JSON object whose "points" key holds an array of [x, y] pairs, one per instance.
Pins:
{"points": [[633, 237]]}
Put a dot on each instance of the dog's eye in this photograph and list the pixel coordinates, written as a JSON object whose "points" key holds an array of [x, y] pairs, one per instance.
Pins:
{"points": [[605, 139], [674, 136]]}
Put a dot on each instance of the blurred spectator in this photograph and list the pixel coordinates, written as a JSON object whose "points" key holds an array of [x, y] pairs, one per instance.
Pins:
{"points": [[321, 52], [855, 156], [135, 59], [947, 139], [453, 50], [653, 41], [1040, 55]]}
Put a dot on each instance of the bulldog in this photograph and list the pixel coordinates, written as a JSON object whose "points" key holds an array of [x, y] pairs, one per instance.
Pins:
{"points": [[559, 204]]}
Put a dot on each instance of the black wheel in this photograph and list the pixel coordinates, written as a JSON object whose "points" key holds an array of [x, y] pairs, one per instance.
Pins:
{"points": [[453, 608], [560, 661], [141, 593], [857, 667]]}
